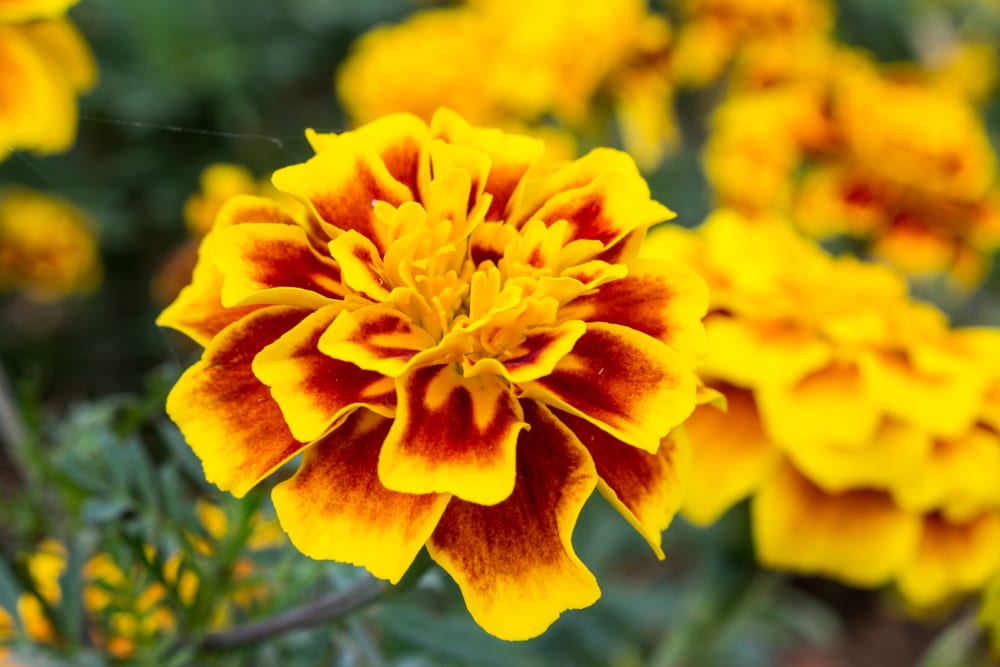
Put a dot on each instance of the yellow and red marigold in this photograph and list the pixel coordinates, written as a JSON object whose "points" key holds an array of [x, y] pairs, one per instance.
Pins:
{"points": [[862, 426], [462, 343]]}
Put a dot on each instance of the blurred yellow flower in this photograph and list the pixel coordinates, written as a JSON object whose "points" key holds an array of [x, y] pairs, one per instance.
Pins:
{"points": [[860, 423], [44, 64], [48, 248], [510, 64], [714, 32], [463, 345]]}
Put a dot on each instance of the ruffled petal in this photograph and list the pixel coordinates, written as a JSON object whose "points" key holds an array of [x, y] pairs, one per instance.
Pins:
{"points": [[541, 350], [665, 303], [952, 559], [453, 434], [13, 11], [890, 460], [377, 338], [731, 456], [830, 406], [514, 561], [361, 265], [601, 195], [753, 353], [272, 263], [316, 392], [960, 476], [198, 311], [511, 157], [349, 174], [632, 386], [860, 537], [226, 414], [645, 488], [336, 508], [65, 48]]}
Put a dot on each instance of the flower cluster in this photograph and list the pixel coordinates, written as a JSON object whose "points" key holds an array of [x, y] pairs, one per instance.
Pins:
{"points": [[47, 247], [896, 156], [511, 63], [714, 33], [130, 605], [462, 343], [44, 64], [864, 428]]}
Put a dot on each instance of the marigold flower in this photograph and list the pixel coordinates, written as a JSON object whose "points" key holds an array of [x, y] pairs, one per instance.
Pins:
{"points": [[47, 247], [531, 60], [44, 64], [860, 423], [462, 343]]}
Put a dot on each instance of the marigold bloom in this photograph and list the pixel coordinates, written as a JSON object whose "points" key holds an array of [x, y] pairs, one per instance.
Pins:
{"points": [[861, 425], [44, 64], [464, 345], [530, 59], [47, 247]]}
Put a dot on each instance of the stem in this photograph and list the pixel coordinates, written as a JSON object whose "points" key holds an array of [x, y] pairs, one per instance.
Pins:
{"points": [[323, 610], [956, 643], [12, 435]]}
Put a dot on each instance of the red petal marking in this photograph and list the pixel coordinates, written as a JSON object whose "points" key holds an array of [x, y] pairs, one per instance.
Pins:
{"points": [[198, 311], [314, 391], [541, 350], [601, 195], [625, 382], [226, 414], [646, 488], [258, 258], [515, 561], [336, 508], [454, 435], [361, 265], [511, 156], [377, 338], [663, 303], [342, 181]]}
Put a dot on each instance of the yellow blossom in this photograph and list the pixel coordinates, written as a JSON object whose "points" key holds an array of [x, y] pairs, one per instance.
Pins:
{"points": [[44, 64], [860, 423], [47, 247], [463, 345]]}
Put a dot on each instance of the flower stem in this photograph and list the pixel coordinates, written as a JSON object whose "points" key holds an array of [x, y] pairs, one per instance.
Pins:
{"points": [[12, 436], [322, 610]]}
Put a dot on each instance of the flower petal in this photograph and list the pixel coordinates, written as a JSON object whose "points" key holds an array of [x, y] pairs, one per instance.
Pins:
{"points": [[751, 353], [335, 508], [658, 300], [377, 338], [226, 414], [952, 559], [830, 406], [731, 455], [541, 350], [361, 265], [859, 536], [515, 561], [632, 386], [601, 195], [348, 174], [511, 156], [890, 460], [314, 391], [645, 488], [198, 311], [272, 263], [453, 434]]}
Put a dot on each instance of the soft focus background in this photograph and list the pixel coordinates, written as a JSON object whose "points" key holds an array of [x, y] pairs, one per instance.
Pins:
{"points": [[99, 469]]}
